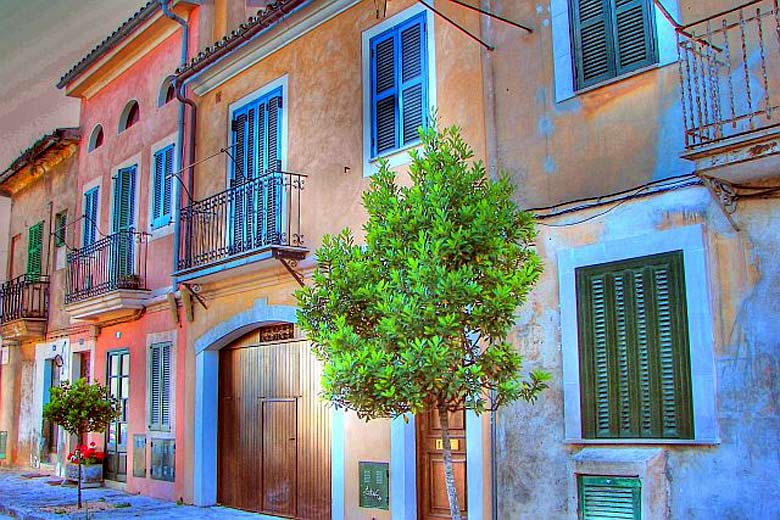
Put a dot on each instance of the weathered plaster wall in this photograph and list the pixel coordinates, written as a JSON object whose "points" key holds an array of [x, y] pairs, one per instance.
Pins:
{"points": [[5, 237], [709, 481]]}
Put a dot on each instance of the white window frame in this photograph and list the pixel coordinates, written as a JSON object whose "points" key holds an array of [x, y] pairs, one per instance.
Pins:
{"points": [[398, 157], [563, 54], [690, 240]]}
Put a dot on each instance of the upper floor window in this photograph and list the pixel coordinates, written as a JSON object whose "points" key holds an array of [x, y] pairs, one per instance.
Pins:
{"points": [[611, 38], [60, 228], [167, 92], [160, 386], [130, 116], [257, 137], [162, 188], [90, 216], [399, 85], [95, 138], [635, 371], [35, 249]]}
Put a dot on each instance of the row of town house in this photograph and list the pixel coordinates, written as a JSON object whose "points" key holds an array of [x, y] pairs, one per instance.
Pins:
{"points": [[156, 248]]}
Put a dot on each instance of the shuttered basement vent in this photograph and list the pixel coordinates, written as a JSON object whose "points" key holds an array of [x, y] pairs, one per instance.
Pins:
{"points": [[609, 498]]}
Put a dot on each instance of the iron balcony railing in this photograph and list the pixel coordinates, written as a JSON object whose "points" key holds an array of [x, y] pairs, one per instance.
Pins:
{"points": [[250, 216], [24, 297], [116, 261], [730, 73]]}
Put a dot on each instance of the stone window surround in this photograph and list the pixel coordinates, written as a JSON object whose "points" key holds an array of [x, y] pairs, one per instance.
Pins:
{"points": [[690, 240]]}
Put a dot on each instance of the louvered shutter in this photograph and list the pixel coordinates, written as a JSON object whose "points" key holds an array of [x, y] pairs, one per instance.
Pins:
{"points": [[616, 498], [157, 194], [60, 227], [255, 168], [154, 387], [90, 216], [634, 350], [35, 250], [124, 199], [272, 203], [384, 95], [168, 182], [413, 85], [592, 35], [634, 29], [237, 198], [165, 385]]}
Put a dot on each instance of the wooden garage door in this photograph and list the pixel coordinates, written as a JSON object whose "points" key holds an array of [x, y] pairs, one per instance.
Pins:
{"points": [[274, 431]]}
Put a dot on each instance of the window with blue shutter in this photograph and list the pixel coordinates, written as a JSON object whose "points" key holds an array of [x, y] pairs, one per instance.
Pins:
{"points": [[90, 216], [611, 38], [399, 86], [163, 185], [634, 351]]}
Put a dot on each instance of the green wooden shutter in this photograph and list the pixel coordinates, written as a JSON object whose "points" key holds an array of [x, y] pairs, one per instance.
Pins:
{"points": [[60, 225], [35, 250], [610, 38], [3, 444], [614, 498], [634, 349], [634, 28], [160, 386], [124, 199], [167, 182], [413, 86]]}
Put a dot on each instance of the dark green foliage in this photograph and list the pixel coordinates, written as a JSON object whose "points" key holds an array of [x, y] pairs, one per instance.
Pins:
{"points": [[418, 317], [81, 407]]}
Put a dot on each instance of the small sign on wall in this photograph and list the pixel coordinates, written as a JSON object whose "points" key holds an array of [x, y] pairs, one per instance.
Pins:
{"points": [[374, 485]]}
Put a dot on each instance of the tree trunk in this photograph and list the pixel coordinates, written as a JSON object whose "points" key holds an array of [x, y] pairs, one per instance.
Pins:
{"points": [[449, 474], [79, 482]]}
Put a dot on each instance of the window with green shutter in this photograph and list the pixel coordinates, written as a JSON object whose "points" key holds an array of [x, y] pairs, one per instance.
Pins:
{"points": [[90, 216], [616, 498], [163, 184], [124, 199], [160, 386], [60, 225], [611, 38], [35, 250], [633, 349]]}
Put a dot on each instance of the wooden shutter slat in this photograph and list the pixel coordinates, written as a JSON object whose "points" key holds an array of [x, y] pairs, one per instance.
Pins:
{"points": [[413, 104], [157, 195], [165, 385], [615, 498], [594, 61], [34, 249], [633, 35], [272, 202], [384, 94], [167, 181], [154, 375]]}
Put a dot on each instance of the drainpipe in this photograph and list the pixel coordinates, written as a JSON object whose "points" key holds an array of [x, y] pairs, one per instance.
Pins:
{"points": [[185, 39]]}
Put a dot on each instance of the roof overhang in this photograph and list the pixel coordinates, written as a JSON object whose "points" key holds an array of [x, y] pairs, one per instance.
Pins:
{"points": [[41, 157], [120, 51]]}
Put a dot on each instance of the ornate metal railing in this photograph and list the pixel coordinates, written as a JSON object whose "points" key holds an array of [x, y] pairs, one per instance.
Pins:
{"points": [[24, 297], [117, 261], [247, 217], [730, 73]]}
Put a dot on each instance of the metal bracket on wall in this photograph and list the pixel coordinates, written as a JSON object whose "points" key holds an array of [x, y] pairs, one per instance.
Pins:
{"points": [[194, 290], [289, 263], [725, 196]]}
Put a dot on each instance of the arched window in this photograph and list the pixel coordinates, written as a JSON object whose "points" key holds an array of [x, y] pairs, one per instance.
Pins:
{"points": [[167, 92], [130, 116], [95, 138]]}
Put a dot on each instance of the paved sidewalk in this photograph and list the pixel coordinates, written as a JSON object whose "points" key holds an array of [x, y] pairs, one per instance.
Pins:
{"points": [[22, 498]]}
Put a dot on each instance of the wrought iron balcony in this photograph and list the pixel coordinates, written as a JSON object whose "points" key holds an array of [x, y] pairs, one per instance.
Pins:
{"points": [[256, 217], [729, 66], [116, 262], [24, 306]]}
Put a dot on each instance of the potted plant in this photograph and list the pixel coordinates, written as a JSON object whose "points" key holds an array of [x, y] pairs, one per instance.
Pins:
{"points": [[81, 408], [130, 281], [91, 466]]}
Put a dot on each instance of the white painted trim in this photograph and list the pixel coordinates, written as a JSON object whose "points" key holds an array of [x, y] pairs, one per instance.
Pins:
{"points": [[337, 462], [403, 468], [125, 112], [690, 240], [264, 45], [93, 137], [162, 90], [399, 157], [160, 232], [563, 58]]}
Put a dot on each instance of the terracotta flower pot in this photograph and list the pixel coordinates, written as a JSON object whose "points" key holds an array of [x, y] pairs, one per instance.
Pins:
{"points": [[91, 474]]}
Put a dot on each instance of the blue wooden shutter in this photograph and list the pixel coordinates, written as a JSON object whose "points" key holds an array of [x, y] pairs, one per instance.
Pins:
{"points": [[384, 95], [615, 498], [90, 216], [634, 349], [414, 86], [239, 176], [273, 184], [162, 181]]}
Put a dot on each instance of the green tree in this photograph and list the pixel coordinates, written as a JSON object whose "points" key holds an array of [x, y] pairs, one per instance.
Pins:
{"points": [[419, 316], [81, 408]]}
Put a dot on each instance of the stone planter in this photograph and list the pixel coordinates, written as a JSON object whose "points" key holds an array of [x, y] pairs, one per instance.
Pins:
{"points": [[91, 474]]}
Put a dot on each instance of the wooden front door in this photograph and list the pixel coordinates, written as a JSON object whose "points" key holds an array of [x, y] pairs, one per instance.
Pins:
{"points": [[118, 378], [432, 502], [274, 431]]}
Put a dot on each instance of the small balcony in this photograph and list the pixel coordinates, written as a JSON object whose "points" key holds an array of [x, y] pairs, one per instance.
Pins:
{"points": [[233, 232], [24, 307], [107, 279], [729, 67]]}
